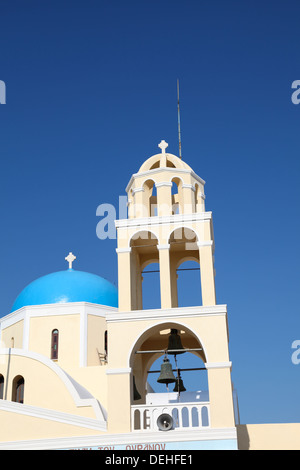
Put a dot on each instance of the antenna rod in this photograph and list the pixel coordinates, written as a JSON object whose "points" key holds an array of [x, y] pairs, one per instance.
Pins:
{"points": [[179, 133]]}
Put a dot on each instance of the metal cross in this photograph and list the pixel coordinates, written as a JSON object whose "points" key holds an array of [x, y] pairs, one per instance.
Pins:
{"points": [[70, 258]]}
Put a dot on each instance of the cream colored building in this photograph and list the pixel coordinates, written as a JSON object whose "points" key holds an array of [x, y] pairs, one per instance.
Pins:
{"points": [[76, 352]]}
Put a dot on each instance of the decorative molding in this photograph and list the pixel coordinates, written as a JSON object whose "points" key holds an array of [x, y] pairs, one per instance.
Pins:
{"points": [[52, 415], [137, 190], [218, 365], [164, 247], [176, 313], [83, 339], [205, 243], [124, 370], [83, 309], [166, 219], [79, 394], [123, 250], [163, 183], [188, 186], [171, 170]]}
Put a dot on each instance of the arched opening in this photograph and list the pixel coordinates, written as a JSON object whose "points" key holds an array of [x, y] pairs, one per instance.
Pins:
{"points": [[192, 372], [188, 283], [18, 389], [185, 267], [147, 358], [144, 252], [149, 199], [54, 345], [199, 199], [176, 191], [151, 286]]}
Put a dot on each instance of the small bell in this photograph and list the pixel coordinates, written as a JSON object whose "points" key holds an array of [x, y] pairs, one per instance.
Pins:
{"points": [[175, 343], [166, 373], [179, 387], [136, 395]]}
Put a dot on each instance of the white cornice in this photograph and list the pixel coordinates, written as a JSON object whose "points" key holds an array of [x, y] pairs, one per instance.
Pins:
{"points": [[167, 219], [158, 314], [118, 371], [70, 308], [218, 365], [79, 394], [166, 169], [52, 415], [82, 309]]}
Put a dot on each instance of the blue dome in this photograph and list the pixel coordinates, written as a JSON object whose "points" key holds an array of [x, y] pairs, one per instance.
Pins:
{"points": [[68, 286]]}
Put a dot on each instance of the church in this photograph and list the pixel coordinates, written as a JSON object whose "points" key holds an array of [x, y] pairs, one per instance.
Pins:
{"points": [[76, 352]]}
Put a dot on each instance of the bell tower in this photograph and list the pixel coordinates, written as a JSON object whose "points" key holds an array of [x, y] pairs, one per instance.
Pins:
{"points": [[167, 224]]}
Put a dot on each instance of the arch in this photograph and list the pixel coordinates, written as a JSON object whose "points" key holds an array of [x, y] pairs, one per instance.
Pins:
{"points": [[189, 291], [156, 339], [149, 198], [142, 234], [78, 393], [143, 244], [195, 417], [175, 416], [185, 417], [177, 202], [151, 298], [136, 420], [183, 243], [18, 389], [199, 198], [184, 232], [204, 416], [161, 326]]}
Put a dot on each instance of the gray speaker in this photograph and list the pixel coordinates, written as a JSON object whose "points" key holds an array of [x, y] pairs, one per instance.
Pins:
{"points": [[165, 422]]}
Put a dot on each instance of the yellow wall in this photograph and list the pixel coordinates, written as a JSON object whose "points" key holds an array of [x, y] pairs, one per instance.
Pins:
{"points": [[285, 436], [12, 337]]}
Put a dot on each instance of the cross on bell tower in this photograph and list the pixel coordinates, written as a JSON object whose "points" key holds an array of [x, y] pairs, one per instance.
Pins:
{"points": [[163, 145]]}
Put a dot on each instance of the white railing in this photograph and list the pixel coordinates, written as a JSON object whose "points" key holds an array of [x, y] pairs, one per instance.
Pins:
{"points": [[185, 416]]}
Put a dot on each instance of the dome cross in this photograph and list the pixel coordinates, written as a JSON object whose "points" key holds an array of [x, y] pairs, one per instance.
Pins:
{"points": [[70, 258]]}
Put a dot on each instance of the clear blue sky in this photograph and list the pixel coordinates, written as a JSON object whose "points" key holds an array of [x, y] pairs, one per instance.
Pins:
{"points": [[91, 91]]}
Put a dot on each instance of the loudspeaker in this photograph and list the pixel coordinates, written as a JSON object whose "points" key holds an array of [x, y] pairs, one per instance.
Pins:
{"points": [[165, 422]]}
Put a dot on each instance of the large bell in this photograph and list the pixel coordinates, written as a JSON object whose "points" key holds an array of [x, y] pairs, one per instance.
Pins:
{"points": [[136, 395], [166, 373], [179, 387], [175, 343]]}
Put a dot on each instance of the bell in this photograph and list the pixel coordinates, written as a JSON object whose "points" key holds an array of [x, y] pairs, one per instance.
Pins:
{"points": [[175, 343], [166, 373], [179, 387], [136, 395]]}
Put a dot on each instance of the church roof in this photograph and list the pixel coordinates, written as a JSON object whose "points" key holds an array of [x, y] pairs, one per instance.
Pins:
{"points": [[68, 286]]}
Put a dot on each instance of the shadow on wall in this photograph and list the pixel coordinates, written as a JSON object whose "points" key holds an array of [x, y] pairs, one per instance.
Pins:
{"points": [[243, 437]]}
